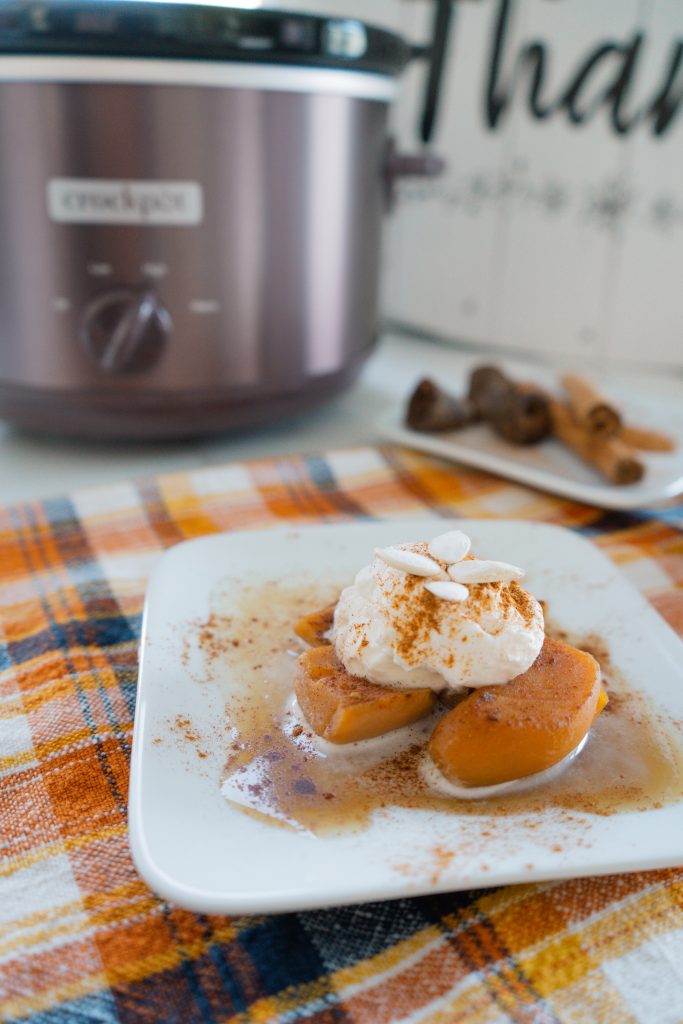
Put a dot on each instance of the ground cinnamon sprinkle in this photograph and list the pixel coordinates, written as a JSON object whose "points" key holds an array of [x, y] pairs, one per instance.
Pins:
{"points": [[212, 635], [442, 861], [515, 596], [417, 613], [183, 726], [420, 615]]}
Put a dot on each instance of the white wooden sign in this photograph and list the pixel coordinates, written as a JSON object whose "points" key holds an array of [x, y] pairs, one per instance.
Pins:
{"points": [[558, 226]]}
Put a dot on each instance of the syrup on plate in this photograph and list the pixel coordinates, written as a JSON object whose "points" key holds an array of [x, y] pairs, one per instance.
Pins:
{"points": [[274, 766]]}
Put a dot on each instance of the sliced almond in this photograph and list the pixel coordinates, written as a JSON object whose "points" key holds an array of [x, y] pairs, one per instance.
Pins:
{"points": [[448, 591], [476, 571], [450, 547], [409, 561]]}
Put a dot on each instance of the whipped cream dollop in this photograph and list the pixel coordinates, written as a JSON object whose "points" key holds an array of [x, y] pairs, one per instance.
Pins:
{"points": [[394, 627]]}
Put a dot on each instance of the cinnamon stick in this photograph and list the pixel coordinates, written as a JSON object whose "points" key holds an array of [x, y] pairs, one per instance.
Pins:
{"points": [[488, 388], [646, 440], [614, 459], [430, 409], [518, 412], [590, 408]]}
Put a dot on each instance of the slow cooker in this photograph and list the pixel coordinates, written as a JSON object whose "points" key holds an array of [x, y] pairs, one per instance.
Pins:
{"points": [[191, 204]]}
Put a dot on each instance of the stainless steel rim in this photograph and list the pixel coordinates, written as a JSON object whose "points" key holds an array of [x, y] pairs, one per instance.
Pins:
{"points": [[216, 74]]}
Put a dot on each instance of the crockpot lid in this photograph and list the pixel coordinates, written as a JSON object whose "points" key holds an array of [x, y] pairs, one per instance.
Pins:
{"points": [[195, 31]]}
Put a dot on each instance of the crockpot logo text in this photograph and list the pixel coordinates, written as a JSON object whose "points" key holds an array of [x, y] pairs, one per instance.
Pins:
{"points": [[90, 201]]}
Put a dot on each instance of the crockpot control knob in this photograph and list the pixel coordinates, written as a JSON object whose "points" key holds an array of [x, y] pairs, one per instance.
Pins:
{"points": [[125, 330]]}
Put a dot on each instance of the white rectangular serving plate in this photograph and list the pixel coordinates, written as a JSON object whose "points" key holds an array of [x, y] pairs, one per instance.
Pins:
{"points": [[550, 466], [197, 850]]}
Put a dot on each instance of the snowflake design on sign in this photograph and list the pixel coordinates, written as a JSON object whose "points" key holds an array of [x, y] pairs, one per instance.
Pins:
{"points": [[605, 205]]}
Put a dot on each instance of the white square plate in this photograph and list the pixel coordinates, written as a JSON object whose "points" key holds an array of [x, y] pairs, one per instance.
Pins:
{"points": [[552, 467], [201, 852]]}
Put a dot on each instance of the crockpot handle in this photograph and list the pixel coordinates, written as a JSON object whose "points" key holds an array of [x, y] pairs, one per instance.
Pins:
{"points": [[406, 165]]}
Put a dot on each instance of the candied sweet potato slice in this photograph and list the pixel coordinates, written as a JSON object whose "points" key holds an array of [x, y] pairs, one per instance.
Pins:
{"points": [[343, 709], [499, 733], [313, 628]]}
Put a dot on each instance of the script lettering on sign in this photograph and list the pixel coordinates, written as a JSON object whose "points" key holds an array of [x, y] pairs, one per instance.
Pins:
{"points": [[583, 94]]}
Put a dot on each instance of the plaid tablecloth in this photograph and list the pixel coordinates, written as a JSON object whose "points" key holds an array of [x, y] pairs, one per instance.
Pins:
{"points": [[82, 939]]}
